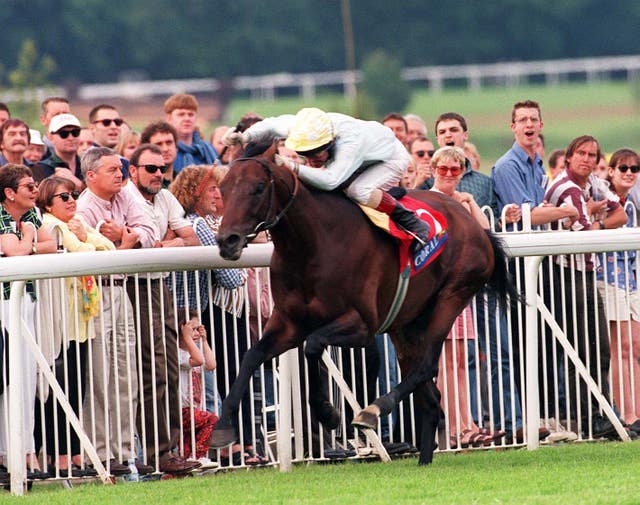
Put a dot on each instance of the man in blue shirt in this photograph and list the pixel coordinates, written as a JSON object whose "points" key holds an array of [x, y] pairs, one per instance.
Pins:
{"points": [[451, 130], [181, 112], [519, 178]]}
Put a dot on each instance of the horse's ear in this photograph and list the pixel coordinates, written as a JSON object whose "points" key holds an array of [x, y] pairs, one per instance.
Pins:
{"points": [[271, 151]]}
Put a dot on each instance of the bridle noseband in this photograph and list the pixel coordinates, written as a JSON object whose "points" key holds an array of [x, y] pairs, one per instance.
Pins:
{"points": [[266, 224]]}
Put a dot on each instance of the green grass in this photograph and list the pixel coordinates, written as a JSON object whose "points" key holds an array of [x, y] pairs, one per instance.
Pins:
{"points": [[593, 473], [606, 110]]}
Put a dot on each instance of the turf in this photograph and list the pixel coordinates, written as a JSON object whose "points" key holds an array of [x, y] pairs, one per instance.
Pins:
{"points": [[587, 473]]}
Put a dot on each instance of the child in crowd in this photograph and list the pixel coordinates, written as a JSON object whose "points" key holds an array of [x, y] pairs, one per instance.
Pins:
{"points": [[197, 423]]}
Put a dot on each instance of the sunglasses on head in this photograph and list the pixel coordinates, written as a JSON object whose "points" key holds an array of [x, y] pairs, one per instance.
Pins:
{"points": [[634, 169], [421, 153], [107, 122], [65, 133], [65, 195], [444, 170], [152, 169]]}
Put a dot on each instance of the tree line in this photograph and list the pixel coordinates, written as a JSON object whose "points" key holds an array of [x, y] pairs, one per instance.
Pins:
{"points": [[104, 40]]}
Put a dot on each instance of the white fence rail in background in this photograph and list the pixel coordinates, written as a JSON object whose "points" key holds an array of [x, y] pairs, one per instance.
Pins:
{"points": [[268, 86]]}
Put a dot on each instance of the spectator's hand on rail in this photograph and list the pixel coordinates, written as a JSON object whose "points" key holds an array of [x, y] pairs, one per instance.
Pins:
{"points": [[76, 227], [111, 230], [512, 213], [129, 239], [595, 207], [232, 137]]}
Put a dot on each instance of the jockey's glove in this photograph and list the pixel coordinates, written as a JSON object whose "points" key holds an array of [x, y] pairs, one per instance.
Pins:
{"points": [[232, 137], [287, 163]]}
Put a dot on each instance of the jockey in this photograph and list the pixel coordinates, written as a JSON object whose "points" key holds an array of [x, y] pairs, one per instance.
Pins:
{"points": [[364, 156]]}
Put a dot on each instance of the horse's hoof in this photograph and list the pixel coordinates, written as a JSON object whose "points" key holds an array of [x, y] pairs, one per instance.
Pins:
{"points": [[222, 437], [367, 418]]}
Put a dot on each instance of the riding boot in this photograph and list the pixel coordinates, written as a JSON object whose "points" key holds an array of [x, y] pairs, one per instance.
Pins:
{"points": [[405, 218]]}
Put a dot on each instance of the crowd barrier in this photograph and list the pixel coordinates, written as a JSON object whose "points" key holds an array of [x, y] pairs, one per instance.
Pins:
{"points": [[499, 372]]}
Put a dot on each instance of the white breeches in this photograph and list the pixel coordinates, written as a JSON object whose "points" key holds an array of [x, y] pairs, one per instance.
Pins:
{"points": [[382, 176]]}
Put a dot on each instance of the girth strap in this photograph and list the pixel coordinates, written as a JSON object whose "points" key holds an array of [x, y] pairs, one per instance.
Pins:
{"points": [[398, 299]]}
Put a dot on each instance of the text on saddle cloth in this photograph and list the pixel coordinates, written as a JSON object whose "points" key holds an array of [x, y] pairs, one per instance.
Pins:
{"points": [[437, 237]]}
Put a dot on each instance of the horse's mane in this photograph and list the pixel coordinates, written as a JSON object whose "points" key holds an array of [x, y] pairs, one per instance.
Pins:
{"points": [[253, 149]]}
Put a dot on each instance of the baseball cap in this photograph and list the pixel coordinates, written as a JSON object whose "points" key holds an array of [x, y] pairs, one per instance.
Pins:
{"points": [[36, 138], [62, 120]]}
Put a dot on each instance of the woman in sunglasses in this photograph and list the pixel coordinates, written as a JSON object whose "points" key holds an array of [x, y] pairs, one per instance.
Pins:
{"points": [[21, 234], [68, 325], [448, 165], [620, 294]]}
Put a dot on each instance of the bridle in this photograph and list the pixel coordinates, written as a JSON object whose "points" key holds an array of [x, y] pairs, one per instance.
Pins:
{"points": [[266, 224]]}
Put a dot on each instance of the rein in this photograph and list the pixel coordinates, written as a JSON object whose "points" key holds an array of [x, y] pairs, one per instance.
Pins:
{"points": [[266, 225]]}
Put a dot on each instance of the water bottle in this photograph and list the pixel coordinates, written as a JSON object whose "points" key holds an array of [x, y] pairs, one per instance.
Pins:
{"points": [[133, 476]]}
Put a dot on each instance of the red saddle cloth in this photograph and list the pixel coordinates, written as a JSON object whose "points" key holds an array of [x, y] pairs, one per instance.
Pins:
{"points": [[438, 236]]}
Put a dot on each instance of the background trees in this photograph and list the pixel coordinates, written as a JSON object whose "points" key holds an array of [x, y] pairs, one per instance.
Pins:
{"points": [[102, 40]]}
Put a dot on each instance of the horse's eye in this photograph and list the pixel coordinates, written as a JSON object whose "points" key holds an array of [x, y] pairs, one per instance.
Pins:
{"points": [[259, 189]]}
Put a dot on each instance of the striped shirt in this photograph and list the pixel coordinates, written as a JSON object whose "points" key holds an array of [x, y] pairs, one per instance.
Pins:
{"points": [[566, 189]]}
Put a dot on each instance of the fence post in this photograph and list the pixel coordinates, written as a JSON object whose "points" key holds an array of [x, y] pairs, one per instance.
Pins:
{"points": [[286, 363], [531, 266], [16, 443]]}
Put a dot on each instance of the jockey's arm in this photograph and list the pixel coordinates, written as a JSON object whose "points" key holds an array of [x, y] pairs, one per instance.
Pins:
{"points": [[271, 128], [347, 159]]}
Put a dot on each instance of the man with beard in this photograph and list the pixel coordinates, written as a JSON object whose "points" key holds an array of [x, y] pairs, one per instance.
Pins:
{"points": [[14, 140], [163, 135], [159, 338]]}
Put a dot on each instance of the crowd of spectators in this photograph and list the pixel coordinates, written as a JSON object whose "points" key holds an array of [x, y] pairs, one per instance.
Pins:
{"points": [[120, 348]]}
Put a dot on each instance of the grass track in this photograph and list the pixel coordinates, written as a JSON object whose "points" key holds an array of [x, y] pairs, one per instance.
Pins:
{"points": [[595, 473]]}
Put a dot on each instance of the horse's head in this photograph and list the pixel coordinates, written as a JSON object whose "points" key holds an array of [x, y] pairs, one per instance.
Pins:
{"points": [[253, 201]]}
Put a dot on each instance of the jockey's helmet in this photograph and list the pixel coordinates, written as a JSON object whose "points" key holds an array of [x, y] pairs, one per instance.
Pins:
{"points": [[312, 129]]}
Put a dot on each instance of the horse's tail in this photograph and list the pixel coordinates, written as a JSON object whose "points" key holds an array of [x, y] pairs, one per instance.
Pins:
{"points": [[501, 283]]}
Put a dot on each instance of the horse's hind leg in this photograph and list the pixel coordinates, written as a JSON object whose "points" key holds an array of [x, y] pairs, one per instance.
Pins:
{"points": [[347, 330], [429, 401]]}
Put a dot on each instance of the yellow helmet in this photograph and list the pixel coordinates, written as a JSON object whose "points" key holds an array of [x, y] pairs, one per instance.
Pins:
{"points": [[312, 129]]}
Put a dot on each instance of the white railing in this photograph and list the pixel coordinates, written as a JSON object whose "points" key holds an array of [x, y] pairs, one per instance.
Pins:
{"points": [[268, 86]]}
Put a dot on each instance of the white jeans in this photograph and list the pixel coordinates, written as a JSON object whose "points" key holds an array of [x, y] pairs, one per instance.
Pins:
{"points": [[28, 368]]}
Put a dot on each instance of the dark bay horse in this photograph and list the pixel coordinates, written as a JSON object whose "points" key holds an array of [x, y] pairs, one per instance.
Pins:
{"points": [[333, 280]]}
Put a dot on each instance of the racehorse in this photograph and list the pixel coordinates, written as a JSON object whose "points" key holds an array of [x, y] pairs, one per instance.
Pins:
{"points": [[333, 280]]}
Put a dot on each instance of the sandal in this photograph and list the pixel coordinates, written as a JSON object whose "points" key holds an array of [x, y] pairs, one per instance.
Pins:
{"points": [[471, 438], [453, 442], [253, 458], [491, 436]]}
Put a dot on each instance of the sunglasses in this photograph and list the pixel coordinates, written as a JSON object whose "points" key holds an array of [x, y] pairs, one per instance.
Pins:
{"points": [[421, 153], [107, 122], [634, 169], [65, 195], [152, 169], [445, 170], [30, 186], [65, 133]]}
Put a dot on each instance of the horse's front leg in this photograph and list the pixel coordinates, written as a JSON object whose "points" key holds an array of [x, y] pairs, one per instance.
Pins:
{"points": [[279, 336], [347, 330]]}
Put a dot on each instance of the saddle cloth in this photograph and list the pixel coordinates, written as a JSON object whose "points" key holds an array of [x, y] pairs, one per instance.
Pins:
{"points": [[437, 237]]}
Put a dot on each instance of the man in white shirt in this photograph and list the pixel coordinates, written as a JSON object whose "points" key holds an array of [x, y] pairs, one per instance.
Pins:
{"points": [[158, 335]]}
